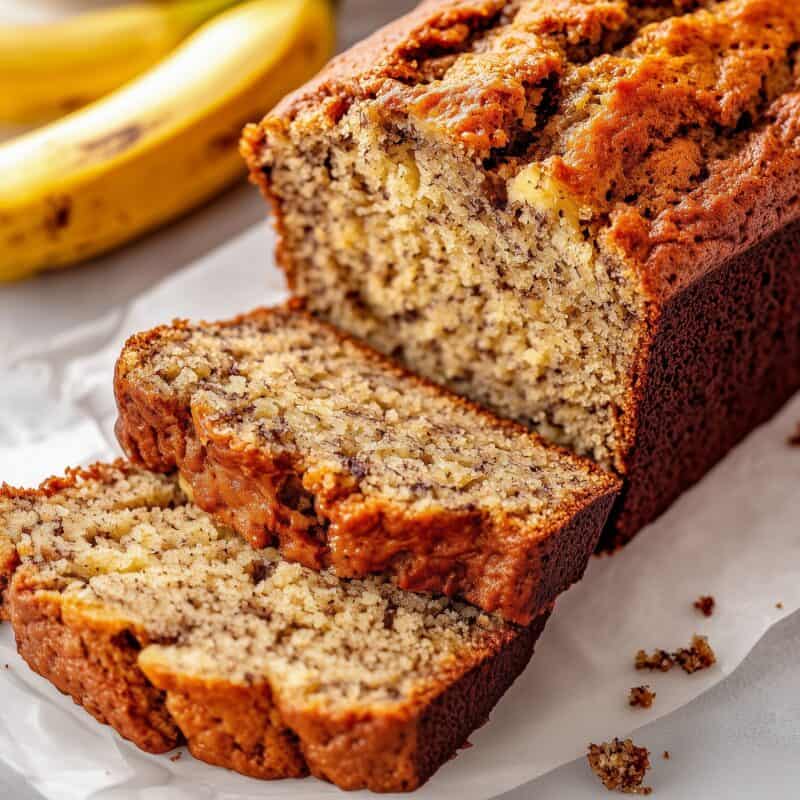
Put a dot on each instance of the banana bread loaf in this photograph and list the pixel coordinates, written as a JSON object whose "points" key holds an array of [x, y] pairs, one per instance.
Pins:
{"points": [[293, 433], [172, 629], [582, 214]]}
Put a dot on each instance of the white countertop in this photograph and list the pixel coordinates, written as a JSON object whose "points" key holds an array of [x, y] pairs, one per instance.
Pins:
{"points": [[739, 740]]}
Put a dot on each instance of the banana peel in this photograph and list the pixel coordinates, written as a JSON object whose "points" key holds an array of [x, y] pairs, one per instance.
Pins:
{"points": [[52, 69], [159, 146]]}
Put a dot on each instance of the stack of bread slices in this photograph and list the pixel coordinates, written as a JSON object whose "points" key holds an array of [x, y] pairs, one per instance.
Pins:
{"points": [[314, 563]]}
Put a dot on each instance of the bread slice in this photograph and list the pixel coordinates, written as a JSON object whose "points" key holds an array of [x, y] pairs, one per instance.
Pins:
{"points": [[290, 432], [582, 214], [171, 628]]}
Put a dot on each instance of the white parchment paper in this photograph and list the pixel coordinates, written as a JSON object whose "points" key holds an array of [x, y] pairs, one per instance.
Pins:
{"points": [[735, 536]]}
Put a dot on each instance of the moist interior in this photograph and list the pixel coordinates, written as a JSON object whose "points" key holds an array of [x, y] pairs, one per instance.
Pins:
{"points": [[282, 383]]}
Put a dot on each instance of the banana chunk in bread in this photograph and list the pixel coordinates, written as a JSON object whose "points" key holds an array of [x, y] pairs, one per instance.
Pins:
{"points": [[582, 214], [290, 432], [172, 629]]}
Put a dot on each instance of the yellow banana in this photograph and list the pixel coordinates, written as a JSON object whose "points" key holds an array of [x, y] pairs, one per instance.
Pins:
{"points": [[160, 145], [51, 69]]}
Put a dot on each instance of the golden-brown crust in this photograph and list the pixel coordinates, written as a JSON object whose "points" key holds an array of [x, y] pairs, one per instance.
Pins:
{"points": [[236, 727], [648, 161], [746, 199], [93, 661], [490, 559], [392, 52]]}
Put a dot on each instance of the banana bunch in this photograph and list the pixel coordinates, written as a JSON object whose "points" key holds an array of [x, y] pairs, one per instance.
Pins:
{"points": [[161, 144]]}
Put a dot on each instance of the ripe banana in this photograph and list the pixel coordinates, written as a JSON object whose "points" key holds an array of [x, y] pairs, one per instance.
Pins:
{"points": [[160, 145], [51, 69]]}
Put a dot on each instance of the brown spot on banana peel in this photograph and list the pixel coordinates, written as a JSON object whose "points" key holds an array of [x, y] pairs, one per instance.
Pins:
{"points": [[70, 104], [115, 142], [58, 214], [119, 140]]}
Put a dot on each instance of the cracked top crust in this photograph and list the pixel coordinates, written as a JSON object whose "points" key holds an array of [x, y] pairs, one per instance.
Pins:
{"points": [[673, 125]]}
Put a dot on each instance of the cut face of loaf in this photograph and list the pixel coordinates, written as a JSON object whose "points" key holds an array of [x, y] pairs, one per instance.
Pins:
{"points": [[517, 198], [292, 433], [171, 628]]}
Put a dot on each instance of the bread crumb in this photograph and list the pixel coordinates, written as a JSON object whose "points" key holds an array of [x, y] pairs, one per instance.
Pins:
{"points": [[666, 755], [641, 697], [660, 660], [176, 757], [699, 655], [705, 605], [794, 441], [779, 605], [621, 766]]}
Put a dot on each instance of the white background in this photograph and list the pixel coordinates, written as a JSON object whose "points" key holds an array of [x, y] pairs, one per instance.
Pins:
{"points": [[739, 740]]}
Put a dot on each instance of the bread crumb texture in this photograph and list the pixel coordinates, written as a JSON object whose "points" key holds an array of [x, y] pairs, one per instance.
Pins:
{"points": [[122, 550], [621, 766], [698, 656], [705, 605], [497, 192], [218, 608], [282, 383], [641, 697]]}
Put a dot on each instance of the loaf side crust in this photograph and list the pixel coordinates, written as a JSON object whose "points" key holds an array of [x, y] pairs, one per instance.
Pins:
{"points": [[725, 359]]}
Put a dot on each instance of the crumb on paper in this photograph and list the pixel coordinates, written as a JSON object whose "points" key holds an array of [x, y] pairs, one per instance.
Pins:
{"points": [[666, 755], [659, 660], [699, 655], [641, 697], [176, 757], [779, 605], [794, 440], [620, 765], [705, 605]]}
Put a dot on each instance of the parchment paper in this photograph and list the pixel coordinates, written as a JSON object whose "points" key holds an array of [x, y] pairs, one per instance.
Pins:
{"points": [[735, 536]]}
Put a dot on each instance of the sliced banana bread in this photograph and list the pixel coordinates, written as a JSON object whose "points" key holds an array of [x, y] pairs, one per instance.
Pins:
{"points": [[171, 628], [582, 214], [290, 432]]}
